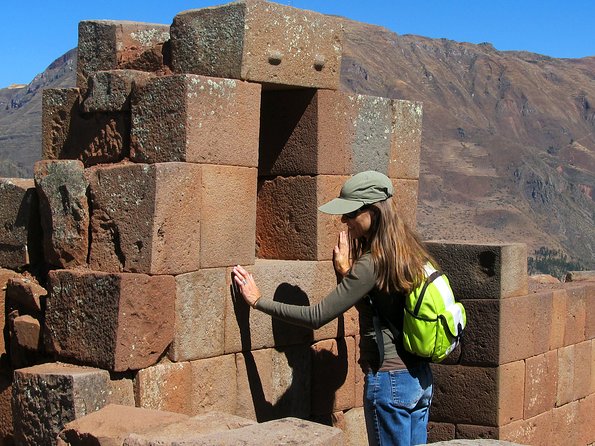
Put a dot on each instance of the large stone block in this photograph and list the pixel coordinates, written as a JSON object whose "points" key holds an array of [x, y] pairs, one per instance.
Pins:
{"points": [[145, 217], [440, 432], [565, 420], [110, 45], [333, 375], [480, 344], [20, 229], [455, 386], [292, 282], [490, 271], [48, 396], [541, 380], [214, 385], [511, 392], [228, 215], [114, 321], [64, 208], [405, 196], [259, 41], [534, 431], [6, 429], [113, 424], [313, 132], [525, 323], [5, 276], [200, 314], [576, 315], [288, 223], [67, 133], [196, 119], [165, 386], [355, 427], [274, 383], [582, 369], [566, 367], [110, 91]]}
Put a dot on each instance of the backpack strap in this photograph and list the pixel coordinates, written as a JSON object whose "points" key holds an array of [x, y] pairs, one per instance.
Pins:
{"points": [[378, 331], [427, 283]]}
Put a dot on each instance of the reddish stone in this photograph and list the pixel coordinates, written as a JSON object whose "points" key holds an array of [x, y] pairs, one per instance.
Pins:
{"points": [[27, 332], [511, 392], [20, 230], [440, 432], [47, 396], [228, 216], [576, 314], [145, 217], [24, 294], [67, 133], [111, 45], [355, 427], [114, 321], [62, 190], [112, 424], [470, 431], [558, 323], [405, 196], [534, 431], [196, 119], [586, 409], [541, 379], [333, 375], [200, 314], [6, 430], [288, 223], [165, 386], [582, 369], [260, 42], [566, 367], [565, 420], [405, 139], [214, 385]]}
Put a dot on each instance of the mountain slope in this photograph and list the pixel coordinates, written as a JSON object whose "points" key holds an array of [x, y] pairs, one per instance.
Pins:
{"points": [[508, 149]]}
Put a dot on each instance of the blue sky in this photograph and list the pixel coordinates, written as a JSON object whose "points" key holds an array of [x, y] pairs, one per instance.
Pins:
{"points": [[35, 32]]}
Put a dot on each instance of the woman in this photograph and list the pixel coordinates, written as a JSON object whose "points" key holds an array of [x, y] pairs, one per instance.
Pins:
{"points": [[379, 261]]}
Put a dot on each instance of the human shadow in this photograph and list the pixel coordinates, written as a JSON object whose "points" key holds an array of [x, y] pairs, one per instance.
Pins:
{"points": [[295, 388]]}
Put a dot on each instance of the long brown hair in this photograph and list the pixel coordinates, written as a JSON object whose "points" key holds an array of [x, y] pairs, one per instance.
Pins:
{"points": [[398, 254]]}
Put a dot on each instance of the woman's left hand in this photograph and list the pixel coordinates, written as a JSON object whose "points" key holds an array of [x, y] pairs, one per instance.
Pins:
{"points": [[245, 282]]}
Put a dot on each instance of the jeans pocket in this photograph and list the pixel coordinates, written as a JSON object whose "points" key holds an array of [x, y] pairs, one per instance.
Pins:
{"points": [[408, 386]]}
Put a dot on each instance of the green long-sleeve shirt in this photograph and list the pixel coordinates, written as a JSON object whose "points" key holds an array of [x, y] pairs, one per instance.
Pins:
{"points": [[352, 290]]}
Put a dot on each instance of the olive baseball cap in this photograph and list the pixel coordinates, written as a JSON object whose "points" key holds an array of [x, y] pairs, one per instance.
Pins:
{"points": [[361, 189]]}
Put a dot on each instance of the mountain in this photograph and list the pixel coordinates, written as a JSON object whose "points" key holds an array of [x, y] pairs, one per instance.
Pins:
{"points": [[508, 148]]}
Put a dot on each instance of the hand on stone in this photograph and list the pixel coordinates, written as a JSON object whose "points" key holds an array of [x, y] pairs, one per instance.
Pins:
{"points": [[341, 255], [245, 283]]}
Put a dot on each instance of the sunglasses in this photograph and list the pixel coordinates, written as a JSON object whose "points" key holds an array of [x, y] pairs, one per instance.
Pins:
{"points": [[355, 213]]}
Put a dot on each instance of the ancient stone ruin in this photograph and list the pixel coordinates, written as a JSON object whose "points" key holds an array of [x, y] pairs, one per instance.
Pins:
{"points": [[187, 149]]}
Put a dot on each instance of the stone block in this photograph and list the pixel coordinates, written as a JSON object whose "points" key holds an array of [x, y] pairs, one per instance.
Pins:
{"points": [[27, 333], [405, 196], [107, 426], [188, 431], [405, 139], [480, 343], [582, 369], [288, 223], [274, 383], [566, 367], [490, 271], [590, 311], [355, 427], [541, 381], [146, 217], [592, 388], [261, 42], [20, 229], [586, 409], [110, 91], [117, 321], [283, 431], [565, 420], [292, 282], [165, 386], [525, 323], [6, 429], [456, 385], [470, 431], [200, 314], [62, 190], [558, 323], [333, 375], [67, 133], [440, 432], [121, 391], [48, 396], [511, 392], [228, 216], [5, 276], [360, 376], [196, 119], [25, 295], [576, 314], [214, 385], [534, 431], [314, 132], [114, 44]]}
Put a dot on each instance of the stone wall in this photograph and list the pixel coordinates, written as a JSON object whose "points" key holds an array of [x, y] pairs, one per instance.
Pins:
{"points": [[187, 149]]}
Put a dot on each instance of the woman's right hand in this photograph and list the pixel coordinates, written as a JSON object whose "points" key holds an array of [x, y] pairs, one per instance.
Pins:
{"points": [[245, 283], [341, 255]]}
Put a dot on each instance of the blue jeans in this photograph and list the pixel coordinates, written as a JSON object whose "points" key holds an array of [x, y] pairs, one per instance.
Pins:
{"points": [[397, 406]]}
